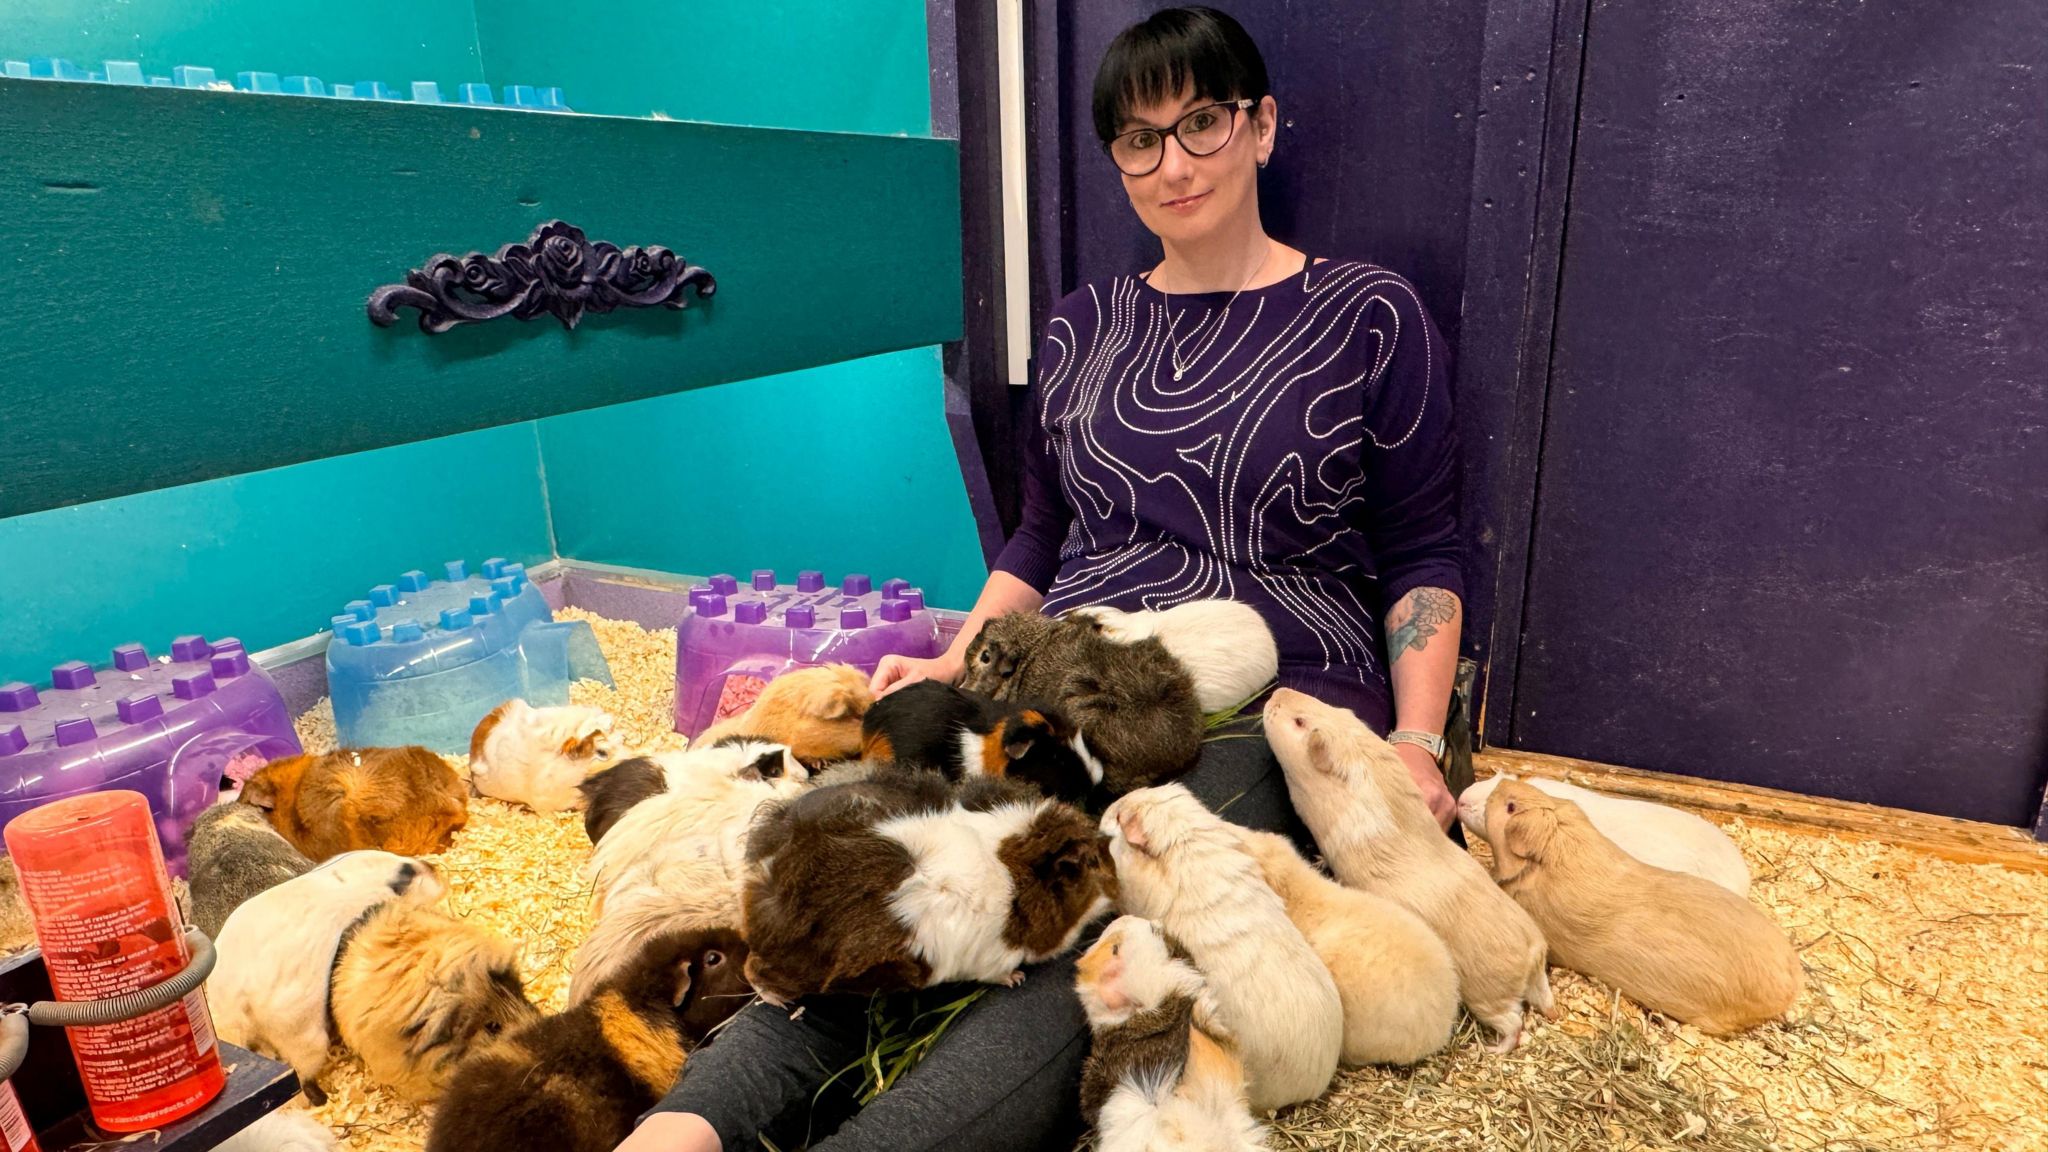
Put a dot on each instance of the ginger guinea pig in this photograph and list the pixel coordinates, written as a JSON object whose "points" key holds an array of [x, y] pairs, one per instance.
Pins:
{"points": [[233, 853], [1355, 795], [1181, 865], [538, 756], [1670, 941], [1226, 647], [958, 733], [816, 712], [403, 800], [1656, 834]]}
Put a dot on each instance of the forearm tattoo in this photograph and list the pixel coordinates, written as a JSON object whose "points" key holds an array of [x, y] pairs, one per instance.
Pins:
{"points": [[1428, 610]]}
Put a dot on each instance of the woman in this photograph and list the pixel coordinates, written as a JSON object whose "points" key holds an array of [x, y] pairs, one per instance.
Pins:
{"points": [[1240, 421]]}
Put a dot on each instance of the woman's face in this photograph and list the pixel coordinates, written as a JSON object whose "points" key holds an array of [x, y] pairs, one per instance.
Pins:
{"points": [[1188, 197]]}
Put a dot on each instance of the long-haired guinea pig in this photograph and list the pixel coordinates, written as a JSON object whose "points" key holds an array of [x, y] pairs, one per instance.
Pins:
{"points": [[1133, 701], [1180, 864], [1227, 648], [1658, 835], [416, 990], [1670, 941], [269, 988], [1162, 1070], [1377, 835], [576, 1081], [537, 756], [885, 885], [675, 859], [815, 711], [609, 793], [233, 853], [1394, 976], [931, 724], [403, 800]]}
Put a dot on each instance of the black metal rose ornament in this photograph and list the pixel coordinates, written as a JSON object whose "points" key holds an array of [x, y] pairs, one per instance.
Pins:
{"points": [[558, 271]]}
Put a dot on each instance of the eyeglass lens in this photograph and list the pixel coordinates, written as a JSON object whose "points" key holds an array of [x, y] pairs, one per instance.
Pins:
{"points": [[1201, 132]]}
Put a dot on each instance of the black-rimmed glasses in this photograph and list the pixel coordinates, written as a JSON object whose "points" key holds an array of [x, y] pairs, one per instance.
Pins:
{"points": [[1203, 131]]}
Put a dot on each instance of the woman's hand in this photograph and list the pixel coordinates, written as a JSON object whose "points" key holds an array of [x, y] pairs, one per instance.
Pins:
{"points": [[672, 1132], [1430, 779], [896, 671]]}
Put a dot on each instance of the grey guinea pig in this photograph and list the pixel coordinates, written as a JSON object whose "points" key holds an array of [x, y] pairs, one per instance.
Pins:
{"points": [[1133, 702], [234, 853]]}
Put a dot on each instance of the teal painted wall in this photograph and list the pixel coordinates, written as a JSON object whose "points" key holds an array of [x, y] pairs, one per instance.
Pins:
{"points": [[847, 468], [268, 556]]}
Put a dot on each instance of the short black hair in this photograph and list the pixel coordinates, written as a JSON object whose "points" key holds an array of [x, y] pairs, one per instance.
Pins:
{"points": [[1154, 59]]}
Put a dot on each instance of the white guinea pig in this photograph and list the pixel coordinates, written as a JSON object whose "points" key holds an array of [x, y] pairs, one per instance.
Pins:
{"points": [[1659, 836], [284, 1131], [1226, 647], [537, 756]]}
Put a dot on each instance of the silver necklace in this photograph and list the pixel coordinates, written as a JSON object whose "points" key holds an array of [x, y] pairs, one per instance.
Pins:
{"points": [[1173, 321]]}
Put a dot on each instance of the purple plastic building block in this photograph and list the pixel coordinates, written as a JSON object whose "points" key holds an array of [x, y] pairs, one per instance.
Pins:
{"points": [[737, 638], [170, 728]]}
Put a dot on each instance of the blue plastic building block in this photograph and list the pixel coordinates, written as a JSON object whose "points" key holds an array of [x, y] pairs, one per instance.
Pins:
{"points": [[302, 86], [374, 90], [475, 94], [123, 72], [553, 100], [426, 92], [258, 82], [421, 660], [193, 76], [54, 68], [161, 82], [343, 91], [521, 96], [15, 69]]}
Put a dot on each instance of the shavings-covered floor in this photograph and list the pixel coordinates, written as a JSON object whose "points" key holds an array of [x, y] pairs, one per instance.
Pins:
{"points": [[1924, 1024]]}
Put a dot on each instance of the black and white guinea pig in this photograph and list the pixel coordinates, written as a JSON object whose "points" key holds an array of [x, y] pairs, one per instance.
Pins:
{"points": [[931, 724]]}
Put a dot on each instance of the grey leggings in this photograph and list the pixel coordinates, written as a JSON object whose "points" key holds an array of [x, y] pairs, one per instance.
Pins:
{"points": [[1007, 1073]]}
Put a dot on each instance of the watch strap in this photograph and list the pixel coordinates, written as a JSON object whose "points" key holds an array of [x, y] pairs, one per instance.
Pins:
{"points": [[1428, 741]]}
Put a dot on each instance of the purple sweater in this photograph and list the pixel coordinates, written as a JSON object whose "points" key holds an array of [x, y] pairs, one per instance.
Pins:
{"points": [[1303, 463]]}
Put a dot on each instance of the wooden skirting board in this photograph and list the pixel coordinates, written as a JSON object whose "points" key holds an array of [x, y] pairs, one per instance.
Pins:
{"points": [[1963, 840]]}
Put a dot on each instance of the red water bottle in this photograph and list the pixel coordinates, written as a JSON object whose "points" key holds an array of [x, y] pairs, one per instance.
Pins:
{"points": [[93, 875], [15, 1135]]}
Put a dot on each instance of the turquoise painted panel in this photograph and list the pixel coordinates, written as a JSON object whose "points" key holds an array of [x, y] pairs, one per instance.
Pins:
{"points": [[822, 64], [847, 468], [183, 273], [396, 41], [267, 557]]}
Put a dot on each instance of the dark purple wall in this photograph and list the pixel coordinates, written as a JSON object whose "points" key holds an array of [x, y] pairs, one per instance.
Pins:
{"points": [[1792, 524]]}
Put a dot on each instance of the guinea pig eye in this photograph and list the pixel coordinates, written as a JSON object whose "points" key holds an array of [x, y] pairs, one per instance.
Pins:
{"points": [[984, 656], [493, 1027], [1116, 949], [713, 958], [1511, 807]]}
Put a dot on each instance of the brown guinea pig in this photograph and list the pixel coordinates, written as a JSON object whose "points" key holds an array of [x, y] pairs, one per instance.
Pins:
{"points": [[403, 800], [415, 990], [575, 1082], [1670, 941], [816, 712]]}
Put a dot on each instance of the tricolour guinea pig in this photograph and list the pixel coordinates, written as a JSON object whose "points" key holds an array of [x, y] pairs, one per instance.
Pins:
{"points": [[958, 733], [675, 859], [609, 793], [575, 1082], [1670, 941], [1226, 647], [1162, 1070], [816, 712], [269, 988], [416, 990], [234, 853], [1658, 835], [403, 800], [1394, 976], [282, 1131], [890, 883], [1376, 833], [1181, 865], [1133, 702], [537, 756]]}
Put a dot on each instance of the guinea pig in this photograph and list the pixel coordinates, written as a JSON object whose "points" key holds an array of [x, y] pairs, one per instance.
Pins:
{"points": [[286, 1130], [233, 853], [1226, 647], [1355, 795], [882, 885], [609, 793], [538, 756], [674, 860], [1162, 1070], [575, 1082], [1134, 701], [416, 990], [1658, 835], [1180, 864], [277, 951], [1670, 941], [816, 712], [958, 733], [17, 931], [403, 800], [1393, 975]]}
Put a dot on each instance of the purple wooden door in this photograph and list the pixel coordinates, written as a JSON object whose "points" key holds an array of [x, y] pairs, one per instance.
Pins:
{"points": [[1792, 520]]}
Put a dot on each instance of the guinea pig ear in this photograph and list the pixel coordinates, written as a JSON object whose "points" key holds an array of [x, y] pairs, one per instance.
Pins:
{"points": [[260, 792], [1528, 831], [1133, 830], [1021, 732], [1322, 752], [837, 704], [684, 973]]}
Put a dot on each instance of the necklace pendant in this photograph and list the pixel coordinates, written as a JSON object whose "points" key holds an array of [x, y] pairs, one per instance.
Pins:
{"points": [[1176, 373]]}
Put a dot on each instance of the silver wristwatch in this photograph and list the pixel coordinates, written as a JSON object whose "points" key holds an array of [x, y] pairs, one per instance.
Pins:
{"points": [[1430, 742]]}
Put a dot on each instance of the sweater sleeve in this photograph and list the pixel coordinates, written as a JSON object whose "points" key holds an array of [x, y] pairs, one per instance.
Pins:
{"points": [[1033, 553], [1411, 455]]}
